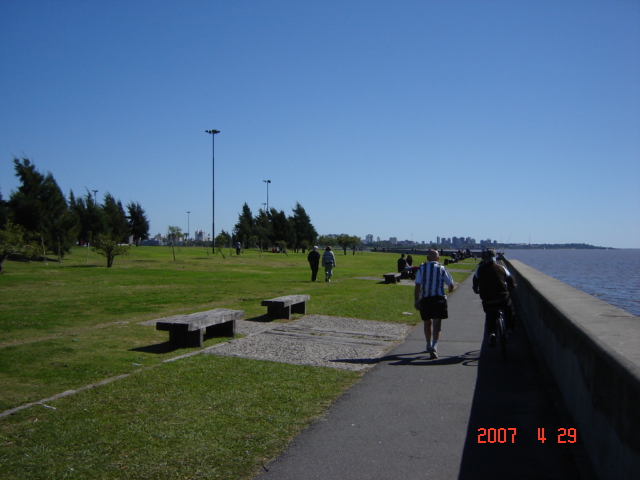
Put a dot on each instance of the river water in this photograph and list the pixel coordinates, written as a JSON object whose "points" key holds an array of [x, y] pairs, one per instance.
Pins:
{"points": [[611, 275]]}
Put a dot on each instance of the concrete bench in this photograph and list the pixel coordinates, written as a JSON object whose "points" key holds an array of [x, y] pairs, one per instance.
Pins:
{"points": [[391, 277], [189, 330], [283, 307]]}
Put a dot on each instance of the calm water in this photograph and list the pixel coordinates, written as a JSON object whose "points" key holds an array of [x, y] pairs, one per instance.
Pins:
{"points": [[611, 275]]}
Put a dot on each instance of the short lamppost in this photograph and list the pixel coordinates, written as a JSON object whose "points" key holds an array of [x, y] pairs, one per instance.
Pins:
{"points": [[213, 203], [267, 182], [188, 227]]}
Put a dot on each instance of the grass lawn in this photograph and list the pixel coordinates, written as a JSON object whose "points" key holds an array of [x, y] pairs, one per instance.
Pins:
{"points": [[67, 325]]}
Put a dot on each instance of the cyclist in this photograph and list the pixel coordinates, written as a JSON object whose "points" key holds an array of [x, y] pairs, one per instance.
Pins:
{"points": [[493, 282]]}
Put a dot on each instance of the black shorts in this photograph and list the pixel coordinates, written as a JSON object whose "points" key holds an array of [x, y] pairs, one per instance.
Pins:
{"points": [[433, 307]]}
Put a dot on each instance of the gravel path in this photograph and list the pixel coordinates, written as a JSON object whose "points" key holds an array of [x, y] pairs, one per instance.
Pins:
{"points": [[318, 340]]}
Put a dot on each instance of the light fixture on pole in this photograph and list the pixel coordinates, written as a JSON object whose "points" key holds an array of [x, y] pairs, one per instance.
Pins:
{"points": [[213, 193], [188, 227], [267, 182], [94, 196]]}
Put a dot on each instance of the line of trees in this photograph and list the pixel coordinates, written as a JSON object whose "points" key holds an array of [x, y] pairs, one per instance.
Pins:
{"points": [[273, 229], [45, 216]]}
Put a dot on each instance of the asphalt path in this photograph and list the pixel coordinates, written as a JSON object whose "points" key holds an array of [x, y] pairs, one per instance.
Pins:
{"points": [[411, 417]]}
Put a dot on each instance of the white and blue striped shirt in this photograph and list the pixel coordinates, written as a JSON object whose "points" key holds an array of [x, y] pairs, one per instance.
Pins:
{"points": [[432, 276]]}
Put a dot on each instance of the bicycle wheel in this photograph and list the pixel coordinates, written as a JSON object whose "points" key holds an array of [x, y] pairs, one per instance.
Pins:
{"points": [[502, 335]]}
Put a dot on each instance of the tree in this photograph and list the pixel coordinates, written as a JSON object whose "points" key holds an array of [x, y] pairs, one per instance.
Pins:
{"points": [[115, 218], [304, 232], [89, 217], [138, 222], [282, 229], [348, 241], [327, 241], [244, 229], [40, 207], [223, 239], [173, 235], [108, 246], [4, 212], [14, 239], [263, 229]]}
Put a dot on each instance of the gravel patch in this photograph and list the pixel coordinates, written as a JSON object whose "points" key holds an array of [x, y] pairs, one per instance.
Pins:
{"points": [[317, 340]]}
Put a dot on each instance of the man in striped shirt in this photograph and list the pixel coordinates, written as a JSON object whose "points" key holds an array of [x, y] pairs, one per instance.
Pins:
{"points": [[430, 298]]}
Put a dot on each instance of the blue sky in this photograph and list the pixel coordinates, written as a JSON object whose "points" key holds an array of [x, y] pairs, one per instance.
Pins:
{"points": [[510, 120]]}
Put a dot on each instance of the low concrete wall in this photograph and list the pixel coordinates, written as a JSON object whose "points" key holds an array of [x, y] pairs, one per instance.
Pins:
{"points": [[593, 352]]}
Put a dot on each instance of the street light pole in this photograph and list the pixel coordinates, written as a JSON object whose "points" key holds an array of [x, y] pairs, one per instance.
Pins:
{"points": [[213, 203], [188, 227], [267, 182], [94, 196]]}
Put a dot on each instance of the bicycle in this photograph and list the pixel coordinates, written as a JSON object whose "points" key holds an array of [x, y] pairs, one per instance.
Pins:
{"points": [[501, 333]]}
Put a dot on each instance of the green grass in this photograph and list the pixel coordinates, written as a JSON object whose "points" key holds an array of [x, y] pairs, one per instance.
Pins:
{"points": [[67, 325]]}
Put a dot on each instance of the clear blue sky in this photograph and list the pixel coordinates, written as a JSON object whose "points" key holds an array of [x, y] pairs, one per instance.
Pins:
{"points": [[510, 120]]}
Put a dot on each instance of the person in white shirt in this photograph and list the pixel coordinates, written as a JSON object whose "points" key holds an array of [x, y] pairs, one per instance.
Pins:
{"points": [[431, 300]]}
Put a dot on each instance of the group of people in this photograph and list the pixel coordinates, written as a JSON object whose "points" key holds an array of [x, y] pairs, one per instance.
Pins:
{"points": [[491, 281], [328, 262]]}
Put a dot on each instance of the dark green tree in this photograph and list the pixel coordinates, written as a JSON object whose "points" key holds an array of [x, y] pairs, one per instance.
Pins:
{"points": [[138, 222], [244, 229], [4, 212], [305, 233], [115, 218], [263, 229], [40, 207], [89, 217], [282, 229]]}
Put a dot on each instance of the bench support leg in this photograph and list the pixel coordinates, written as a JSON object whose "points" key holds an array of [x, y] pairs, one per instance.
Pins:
{"points": [[299, 307], [279, 312], [186, 339], [226, 329]]}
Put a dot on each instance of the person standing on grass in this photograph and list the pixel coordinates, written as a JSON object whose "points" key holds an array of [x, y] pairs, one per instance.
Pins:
{"points": [[329, 263], [430, 299], [314, 263]]}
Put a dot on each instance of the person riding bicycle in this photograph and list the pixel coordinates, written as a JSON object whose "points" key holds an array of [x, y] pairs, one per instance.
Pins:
{"points": [[493, 282]]}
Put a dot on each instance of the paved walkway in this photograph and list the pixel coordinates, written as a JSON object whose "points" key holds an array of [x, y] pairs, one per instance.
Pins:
{"points": [[415, 418]]}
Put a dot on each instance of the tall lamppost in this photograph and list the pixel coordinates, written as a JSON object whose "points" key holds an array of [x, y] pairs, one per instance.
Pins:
{"points": [[94, 196], [213, 203], [267, 182], [188, 227]]}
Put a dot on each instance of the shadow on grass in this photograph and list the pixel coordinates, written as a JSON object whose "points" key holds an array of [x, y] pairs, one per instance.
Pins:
{"points": [[266, 318], [418, 359], [158, 348]]}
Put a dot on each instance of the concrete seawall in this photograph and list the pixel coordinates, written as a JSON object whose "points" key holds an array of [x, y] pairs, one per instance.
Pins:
{"points": [[592, 350]]}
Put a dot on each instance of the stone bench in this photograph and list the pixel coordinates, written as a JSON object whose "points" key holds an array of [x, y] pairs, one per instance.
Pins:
{"points": [[189, 330], [283, 307], [391, 277]]}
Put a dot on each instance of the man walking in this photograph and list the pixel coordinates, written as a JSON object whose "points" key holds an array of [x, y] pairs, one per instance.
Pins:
{"points": [[430, 298], [314, 263]]}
